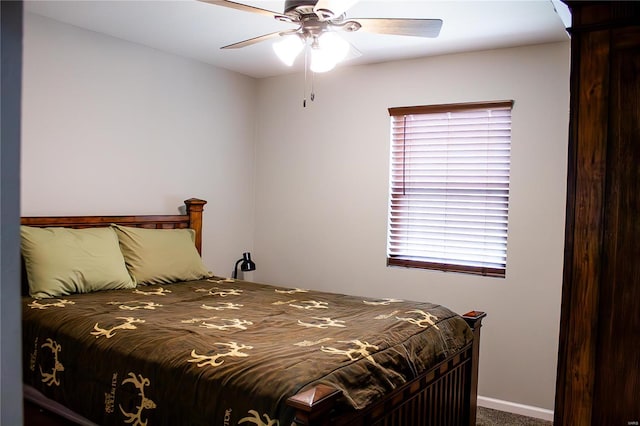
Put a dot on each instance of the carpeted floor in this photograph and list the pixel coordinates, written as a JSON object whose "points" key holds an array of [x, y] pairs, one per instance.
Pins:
{"points": [[489, 417]]}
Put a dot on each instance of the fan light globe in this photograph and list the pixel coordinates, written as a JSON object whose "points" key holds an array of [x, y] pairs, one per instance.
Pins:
{"points": [[330, 50], [334, 44], [288, 48], [321, 60]]}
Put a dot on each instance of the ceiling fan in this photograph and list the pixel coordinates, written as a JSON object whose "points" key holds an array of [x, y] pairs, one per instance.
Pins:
{"points": [[319, 22]]}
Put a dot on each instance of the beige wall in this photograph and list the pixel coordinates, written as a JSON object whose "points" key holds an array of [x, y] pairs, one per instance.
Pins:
{"points": [[321, 197], [114, 127]]}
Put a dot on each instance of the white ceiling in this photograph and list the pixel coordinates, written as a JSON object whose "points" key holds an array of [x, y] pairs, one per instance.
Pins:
{"points": [[197, 30]]}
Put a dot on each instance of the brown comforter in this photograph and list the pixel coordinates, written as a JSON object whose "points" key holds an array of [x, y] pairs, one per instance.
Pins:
{"points": [[225, 353]]}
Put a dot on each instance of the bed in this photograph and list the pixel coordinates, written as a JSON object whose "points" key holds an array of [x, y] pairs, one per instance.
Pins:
{"points": [[213, 350]]}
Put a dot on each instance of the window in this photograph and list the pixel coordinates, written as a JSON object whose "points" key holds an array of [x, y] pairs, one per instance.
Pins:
{"points": [[449, 187]]}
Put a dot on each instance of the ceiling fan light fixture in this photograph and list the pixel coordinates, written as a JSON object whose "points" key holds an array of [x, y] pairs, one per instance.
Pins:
{"points": [[288, 48]]}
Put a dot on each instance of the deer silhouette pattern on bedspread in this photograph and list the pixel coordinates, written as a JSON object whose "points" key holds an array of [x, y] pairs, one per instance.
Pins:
{"points": [[223, 352]]}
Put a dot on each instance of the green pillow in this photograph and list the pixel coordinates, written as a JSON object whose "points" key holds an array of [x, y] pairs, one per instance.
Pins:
{"points": [[62, 261], [160, 256]]}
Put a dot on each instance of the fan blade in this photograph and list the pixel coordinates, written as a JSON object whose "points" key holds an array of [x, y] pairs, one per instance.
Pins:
{"points": [[243, 7], [251, 41], [406, 27], [329, 9]]}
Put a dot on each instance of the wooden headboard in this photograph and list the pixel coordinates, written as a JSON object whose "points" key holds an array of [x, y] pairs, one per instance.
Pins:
{"points": [[192, 219]]}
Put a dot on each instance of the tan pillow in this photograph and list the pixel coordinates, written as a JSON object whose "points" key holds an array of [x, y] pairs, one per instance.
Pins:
{"points": [[160, 256], [62, 261]]}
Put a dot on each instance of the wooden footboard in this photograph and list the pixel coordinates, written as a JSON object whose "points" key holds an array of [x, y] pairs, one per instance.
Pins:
{"points": [[444, 395]]}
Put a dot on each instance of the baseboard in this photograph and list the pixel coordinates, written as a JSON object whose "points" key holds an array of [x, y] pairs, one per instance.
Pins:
{"points": [[515, 408]]}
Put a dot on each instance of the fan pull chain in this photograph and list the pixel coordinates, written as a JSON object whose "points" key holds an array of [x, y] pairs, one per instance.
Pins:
{"points": [[306, 62], [313, 92]]}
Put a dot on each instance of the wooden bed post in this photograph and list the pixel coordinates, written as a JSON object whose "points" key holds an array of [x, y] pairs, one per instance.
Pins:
{"points": [[474, 319], [195, 207], [313, 406]]}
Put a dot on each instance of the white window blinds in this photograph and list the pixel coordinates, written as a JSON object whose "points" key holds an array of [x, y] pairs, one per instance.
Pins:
{"points": [[449, 184]]}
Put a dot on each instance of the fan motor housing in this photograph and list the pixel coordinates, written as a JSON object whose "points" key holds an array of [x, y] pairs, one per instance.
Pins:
{"points": [[291, 5]]}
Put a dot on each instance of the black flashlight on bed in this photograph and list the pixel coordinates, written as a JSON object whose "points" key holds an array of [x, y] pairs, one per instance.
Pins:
{"points": [[246, 264]]}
